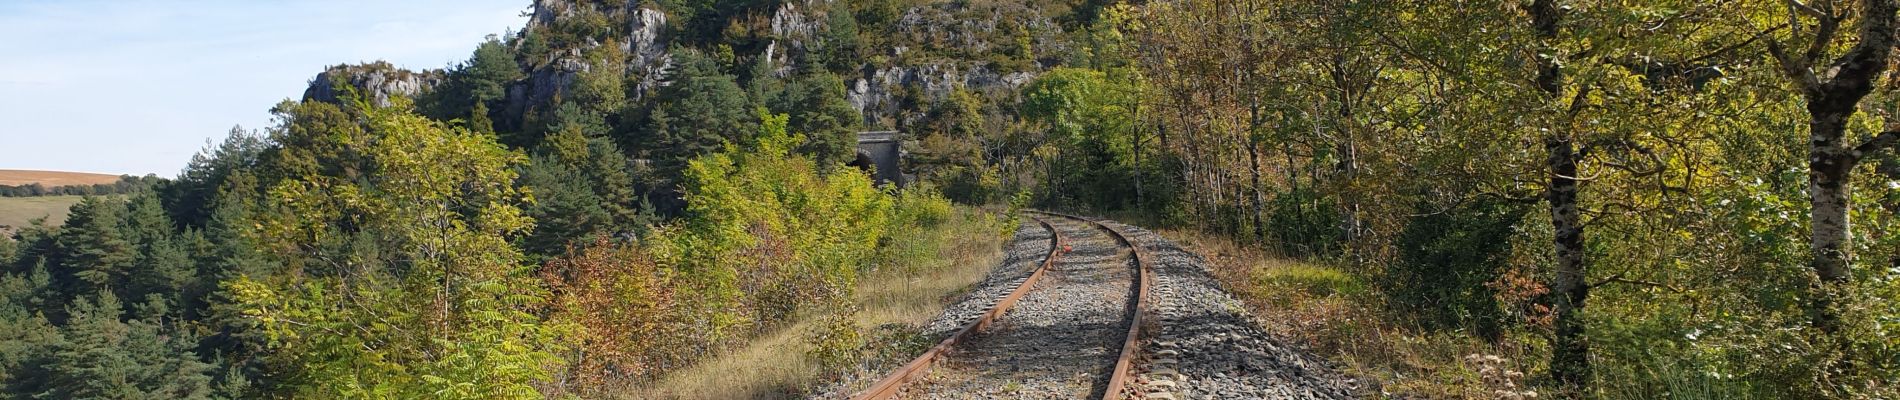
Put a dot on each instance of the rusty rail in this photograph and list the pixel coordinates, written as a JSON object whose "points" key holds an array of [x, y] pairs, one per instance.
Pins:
{"points": [[1117, 382], [1131, 346], [887, 387]]}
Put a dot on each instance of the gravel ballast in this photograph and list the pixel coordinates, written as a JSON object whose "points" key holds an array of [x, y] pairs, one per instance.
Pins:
{"points": [[1218, 351], [1025, 252], [1061, 339]]}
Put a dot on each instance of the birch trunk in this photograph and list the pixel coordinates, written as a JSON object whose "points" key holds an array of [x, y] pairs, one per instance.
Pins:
{"points": [[1570, 347]]}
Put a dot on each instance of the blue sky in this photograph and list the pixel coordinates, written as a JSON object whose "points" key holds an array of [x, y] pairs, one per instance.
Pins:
{"points": [[136, 87]]}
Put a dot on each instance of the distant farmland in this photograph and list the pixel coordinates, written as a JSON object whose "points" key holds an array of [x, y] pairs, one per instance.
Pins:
{"points": [[17, 177], [17, 211]]}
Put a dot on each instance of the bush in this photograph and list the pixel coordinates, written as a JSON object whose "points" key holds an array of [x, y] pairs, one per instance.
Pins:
{"points": [[1446, 261], [1304, 223]]}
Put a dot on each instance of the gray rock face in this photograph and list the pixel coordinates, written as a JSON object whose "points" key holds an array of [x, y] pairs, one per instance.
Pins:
{"points": [[647, 43], [545, 82], [548, 11], [935, 49], [645, 46], [877, 94], [644, 39], [881, 91], [376, 81]]}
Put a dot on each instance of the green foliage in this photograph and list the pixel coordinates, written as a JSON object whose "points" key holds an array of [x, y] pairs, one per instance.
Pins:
{"points": [[816, 104], [566, 208], [1091, 127], [1447, 263], [475, 86], [189, 198], [99, 248], [951, 150], [449, 315], [838, 48], [101, 356], [702, 110]]}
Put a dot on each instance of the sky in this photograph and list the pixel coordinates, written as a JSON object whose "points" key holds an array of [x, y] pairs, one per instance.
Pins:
{"points": [[137, 87]]}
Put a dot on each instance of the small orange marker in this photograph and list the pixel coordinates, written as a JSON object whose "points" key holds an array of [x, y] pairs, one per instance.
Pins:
{"points": [[1066, 248]]}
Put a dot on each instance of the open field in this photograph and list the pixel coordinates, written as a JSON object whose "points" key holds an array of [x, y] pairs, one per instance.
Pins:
{"points": [[17, 211], [16, 177]]}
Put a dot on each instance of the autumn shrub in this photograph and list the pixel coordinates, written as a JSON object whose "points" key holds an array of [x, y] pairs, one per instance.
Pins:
{"points": [[836, 340], [433, 301], [623, 306], [773, 244]]}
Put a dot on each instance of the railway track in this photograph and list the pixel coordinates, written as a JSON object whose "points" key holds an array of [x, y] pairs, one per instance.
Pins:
{"points": [[1070, 330]]}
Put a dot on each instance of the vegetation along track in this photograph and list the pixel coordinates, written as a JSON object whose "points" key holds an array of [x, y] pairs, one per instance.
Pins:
{"points": [[1068, 331]]}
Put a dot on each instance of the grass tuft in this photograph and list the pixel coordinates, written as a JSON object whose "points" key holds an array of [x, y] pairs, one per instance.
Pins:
{"points": [[910, 287]]}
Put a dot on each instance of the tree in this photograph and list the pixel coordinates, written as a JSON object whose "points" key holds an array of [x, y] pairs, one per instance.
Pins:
{"points": [[815, 101], [700, 110], [100, 254], [103, 357], [1570, 353], [473, 86], [448, 316], [1088, 118], [189, 198], [566, 208], [1833, 90]]}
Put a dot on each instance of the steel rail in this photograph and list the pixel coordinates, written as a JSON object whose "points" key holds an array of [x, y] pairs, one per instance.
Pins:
{"points": [[889, 386], [1131, 346], [1124, 364]]}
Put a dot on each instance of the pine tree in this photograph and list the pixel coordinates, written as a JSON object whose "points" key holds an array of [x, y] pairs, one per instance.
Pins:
{"points": [[566, 207], [702, 109], [98, 253], [816, 103], [104, 357]]}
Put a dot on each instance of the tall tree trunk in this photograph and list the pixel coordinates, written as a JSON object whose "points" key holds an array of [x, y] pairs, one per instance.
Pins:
{"points": [[1829, 166], [1833, 90], [1135, 142], [1253, 169], [1570, 355], [1348, 166], [1570, 347]]}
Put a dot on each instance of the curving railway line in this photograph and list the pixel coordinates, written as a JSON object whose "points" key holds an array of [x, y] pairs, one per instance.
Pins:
{"points": [[1070, 330], [1094, 309]]}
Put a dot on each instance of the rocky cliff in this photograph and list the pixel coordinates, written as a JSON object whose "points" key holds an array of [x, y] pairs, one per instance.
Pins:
{"points": [[376, 81], [929, 51]]}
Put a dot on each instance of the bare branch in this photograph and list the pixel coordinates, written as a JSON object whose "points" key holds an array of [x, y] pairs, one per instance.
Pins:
{"points": [[1805, 9], [1620, 279], [1880, 142], [1797, 70]]}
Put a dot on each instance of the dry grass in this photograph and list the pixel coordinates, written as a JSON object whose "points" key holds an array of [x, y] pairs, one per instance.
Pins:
{"points": [[775, 365], [1335, 314], [17, 177], [18, 211]]}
